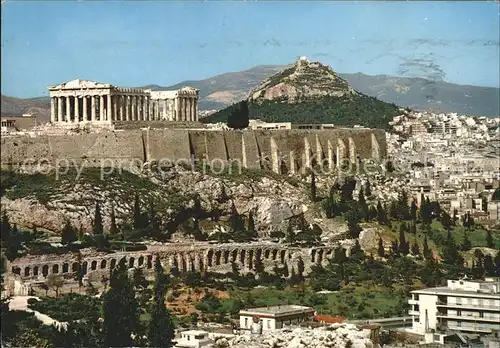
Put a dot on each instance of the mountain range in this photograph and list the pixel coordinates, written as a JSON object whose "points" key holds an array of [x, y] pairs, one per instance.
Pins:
{"points": [[222, 90]]}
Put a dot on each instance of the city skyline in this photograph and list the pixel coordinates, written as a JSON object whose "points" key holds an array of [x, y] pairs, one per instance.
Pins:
{"points": [[135, 44]]}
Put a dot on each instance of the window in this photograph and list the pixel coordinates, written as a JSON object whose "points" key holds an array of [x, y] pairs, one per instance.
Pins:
{"points": [[246, 322], [268, 324]]}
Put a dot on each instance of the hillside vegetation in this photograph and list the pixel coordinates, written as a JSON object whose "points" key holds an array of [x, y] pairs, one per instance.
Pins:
{"points": [[359, 109]]}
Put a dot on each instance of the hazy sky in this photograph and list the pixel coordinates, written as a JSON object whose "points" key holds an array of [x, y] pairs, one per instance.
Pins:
{"points": [[165, 42]]}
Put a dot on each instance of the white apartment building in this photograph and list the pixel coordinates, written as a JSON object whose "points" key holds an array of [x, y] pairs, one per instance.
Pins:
{"points": [[470, 306], [275, 317]]}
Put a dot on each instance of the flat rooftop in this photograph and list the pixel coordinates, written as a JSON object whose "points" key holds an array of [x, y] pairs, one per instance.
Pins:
{"points": [[277, 310], [444, 290]]}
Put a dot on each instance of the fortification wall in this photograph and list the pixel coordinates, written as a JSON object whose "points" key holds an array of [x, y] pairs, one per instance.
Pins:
{"points": [[282, 151]]}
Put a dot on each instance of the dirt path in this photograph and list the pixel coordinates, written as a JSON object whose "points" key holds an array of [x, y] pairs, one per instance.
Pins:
{"points": [[20, 303]]}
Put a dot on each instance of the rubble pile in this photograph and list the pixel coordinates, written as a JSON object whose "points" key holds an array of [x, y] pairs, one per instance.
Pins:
{"points": [[336, 335]]}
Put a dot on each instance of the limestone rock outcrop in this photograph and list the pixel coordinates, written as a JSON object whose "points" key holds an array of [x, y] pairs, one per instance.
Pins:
{"points": [[304, 80], [271, 201]]}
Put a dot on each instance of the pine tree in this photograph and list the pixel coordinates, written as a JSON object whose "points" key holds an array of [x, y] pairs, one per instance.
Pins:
{"points": [[68, 234], [489, 266], [239, 117], [489, 239], [373, 213], [313, 186], [466, 244], [120, 309], [98, 229], [381, 249], [161, 326], [450, 255], [496, 195]]}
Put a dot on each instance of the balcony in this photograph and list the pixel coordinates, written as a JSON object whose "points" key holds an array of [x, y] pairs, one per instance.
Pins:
{"points": [[486, 318], [413, 302], [467, 306]]}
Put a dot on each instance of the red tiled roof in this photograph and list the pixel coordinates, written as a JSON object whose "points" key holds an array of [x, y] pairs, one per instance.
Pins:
{"points": [[328, 319]]}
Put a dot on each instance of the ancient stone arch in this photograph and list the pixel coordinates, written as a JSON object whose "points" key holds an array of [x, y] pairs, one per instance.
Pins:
{"points": [[35, 271], [131, 262], [217, 257], [93, 265], [65, 267], [150, 261], [234, 255], [45, 270], [113, 264], [27, 271], [226, 256], [104, 263], [74, 267]]}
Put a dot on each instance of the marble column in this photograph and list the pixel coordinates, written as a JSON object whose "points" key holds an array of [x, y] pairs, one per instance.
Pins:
{"points": [[181, 109], [109, 113], [77, 110], [92, 105], [127, 108], [85, 111], [134, 108], [144, 113], [116, 103], [101, 108], [52, 109], [59, 109], [195, 109], [148, 109], [176, 109], [68, 109]]}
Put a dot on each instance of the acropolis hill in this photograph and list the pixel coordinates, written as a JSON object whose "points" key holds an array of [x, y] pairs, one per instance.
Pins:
{"points": [[255, 149]]}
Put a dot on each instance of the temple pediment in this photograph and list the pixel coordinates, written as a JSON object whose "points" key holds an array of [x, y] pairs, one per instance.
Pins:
{"points": [[78, 83]]}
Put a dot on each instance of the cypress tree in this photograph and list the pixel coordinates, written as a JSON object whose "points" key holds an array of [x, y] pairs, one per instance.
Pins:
{"points": [[413, 210], [489, 239], [403, 245], [381, 213], [235, 220], [313, 186], [251, 226], [415, 250], [98, 229], [368, 189], [120, 309], [381, 249], [426, 251], [161, 326], [113, 230]]}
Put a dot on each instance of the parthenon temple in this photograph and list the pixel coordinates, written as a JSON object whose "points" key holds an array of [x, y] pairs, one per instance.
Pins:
{"points": [[83, 101]]}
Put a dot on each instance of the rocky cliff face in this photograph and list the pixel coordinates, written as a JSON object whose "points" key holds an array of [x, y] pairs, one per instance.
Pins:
{"points": [[303, 81], [48, 204]]}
